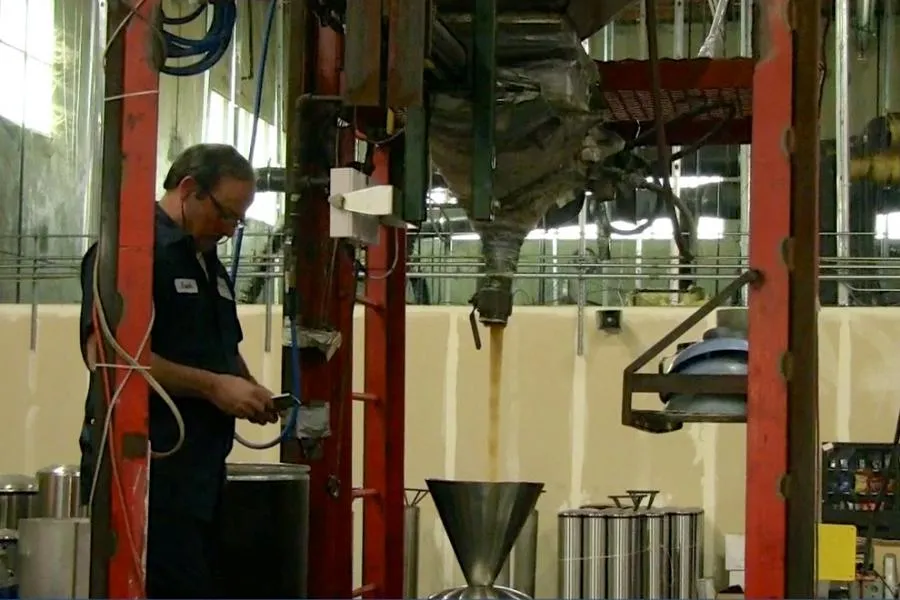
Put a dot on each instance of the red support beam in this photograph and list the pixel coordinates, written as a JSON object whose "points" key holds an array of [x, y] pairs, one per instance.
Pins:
{"points": [[768, 318], [133, 84], [782, 387], [325, 285], [385, 380]]}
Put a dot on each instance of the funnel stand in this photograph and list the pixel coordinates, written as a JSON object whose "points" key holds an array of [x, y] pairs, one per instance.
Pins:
{"points": [[482, 521]]}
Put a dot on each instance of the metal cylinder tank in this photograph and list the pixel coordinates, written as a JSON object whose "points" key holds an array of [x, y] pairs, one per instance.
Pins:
{"points": [[17, 497], [411, 515], [654, 549], [686, 534], [524, 556], [59, 492], [623, 573], [519, 570], [504, 577], [54, 558], [569, 540], [265, 532], [593, 578]]}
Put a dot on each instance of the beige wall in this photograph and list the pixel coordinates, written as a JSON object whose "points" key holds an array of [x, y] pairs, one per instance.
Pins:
{"points": [[560, 411]]}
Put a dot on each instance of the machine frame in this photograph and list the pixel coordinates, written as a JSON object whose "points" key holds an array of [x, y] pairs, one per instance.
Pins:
{"points": [[782, 385]]}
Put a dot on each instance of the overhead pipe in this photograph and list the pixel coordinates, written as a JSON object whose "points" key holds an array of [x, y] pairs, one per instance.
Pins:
{"points": [[842, 9], [866, 26]]}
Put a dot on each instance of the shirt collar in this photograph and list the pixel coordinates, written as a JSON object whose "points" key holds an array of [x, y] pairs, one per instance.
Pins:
{"points": [[169, 233]]}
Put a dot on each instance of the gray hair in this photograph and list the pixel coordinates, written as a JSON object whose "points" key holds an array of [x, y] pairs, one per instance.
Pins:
{"points": [[207, 164]]}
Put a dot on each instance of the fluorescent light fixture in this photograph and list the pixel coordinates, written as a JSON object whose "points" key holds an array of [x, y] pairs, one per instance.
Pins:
{"points": [[708, 228], [887, 226], [690, 182], [441, 196]]}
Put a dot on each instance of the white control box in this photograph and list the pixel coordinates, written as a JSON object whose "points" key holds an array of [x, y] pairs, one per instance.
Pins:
{"points": [[345, 223]]}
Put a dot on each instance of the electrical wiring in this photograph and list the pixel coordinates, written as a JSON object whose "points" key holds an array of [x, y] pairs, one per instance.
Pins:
{"points": [[105, 334], [132, 363]]}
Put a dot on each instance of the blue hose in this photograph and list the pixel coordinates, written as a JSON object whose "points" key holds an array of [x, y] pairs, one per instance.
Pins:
{"points": [[291, 423], [208, 50]]}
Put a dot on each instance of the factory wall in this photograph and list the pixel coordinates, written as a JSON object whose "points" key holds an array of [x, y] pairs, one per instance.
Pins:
{"points": [[560, 411]]}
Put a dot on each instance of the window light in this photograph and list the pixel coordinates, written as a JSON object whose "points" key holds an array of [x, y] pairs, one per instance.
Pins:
{"points": [[266, 206], [27, 50]]}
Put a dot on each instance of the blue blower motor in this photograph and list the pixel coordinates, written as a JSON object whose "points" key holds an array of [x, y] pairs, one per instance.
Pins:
{"points": [[721, 352]]}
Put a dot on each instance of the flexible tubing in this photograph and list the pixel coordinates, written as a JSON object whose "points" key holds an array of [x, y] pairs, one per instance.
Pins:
{"points": [[291, 422]]}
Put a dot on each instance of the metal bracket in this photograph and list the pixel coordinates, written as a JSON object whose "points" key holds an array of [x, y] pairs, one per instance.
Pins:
{"points": [[657, 421]]}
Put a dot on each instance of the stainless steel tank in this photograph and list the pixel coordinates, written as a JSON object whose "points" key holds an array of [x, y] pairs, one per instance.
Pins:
{"points": [[59, 492], [54, 558], [520, 568], [264, 540], [411, 551], [524, 556], [623, 551], [594, 553], [570, 554], [654, 549], [17, 497], [686, 533]]}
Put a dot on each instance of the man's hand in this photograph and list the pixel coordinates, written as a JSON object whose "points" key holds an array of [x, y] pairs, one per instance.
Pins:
{"points": [[242, 399]]}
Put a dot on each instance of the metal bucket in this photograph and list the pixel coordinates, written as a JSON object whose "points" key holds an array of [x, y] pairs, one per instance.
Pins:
{"points": [[264, 545], [623, 537], [569, 539], [593, 575], [17, 497], [59, 492], [54, 558], [686, 534], [655, 550]]}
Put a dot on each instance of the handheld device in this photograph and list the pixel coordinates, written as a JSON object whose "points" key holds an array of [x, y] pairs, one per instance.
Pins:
{"points": [[283, 402]]}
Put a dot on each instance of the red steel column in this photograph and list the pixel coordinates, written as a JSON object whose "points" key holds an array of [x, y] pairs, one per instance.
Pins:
{"points": [[782, 415], [128, 447], [768, 318], [326, 289], [385, 358]]}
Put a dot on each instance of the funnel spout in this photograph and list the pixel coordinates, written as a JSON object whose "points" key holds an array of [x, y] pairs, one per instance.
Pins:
{"points": [[500, 246], [483, 521]]}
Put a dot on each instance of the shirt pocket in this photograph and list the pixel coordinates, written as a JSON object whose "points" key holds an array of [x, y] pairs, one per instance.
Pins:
{"points": [[185, 319]]}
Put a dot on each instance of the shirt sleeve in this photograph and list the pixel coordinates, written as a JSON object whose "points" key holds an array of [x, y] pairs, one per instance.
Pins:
{"points": [[87, 298]]}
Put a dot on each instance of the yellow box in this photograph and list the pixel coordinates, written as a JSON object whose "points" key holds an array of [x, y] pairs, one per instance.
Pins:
{"points": [[837, 552]]}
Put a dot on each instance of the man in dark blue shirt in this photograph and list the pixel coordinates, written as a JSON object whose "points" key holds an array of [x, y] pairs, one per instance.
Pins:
{"points": [[195, 358]]}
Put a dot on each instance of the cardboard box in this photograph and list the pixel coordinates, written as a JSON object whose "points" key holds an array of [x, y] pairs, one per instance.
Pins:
{"points": [[734, 551]]}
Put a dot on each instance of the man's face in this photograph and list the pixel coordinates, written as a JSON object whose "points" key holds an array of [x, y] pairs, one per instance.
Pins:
{"points": [[217, 213]]}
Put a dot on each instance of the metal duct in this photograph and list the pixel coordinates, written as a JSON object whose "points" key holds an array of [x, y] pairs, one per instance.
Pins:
{"points": [[547, 138]]}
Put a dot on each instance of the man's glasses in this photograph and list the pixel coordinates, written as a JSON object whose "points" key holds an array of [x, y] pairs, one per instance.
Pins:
{"points": [[225, 214]]}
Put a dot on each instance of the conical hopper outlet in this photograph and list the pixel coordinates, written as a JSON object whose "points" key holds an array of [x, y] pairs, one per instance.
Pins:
{"points": [[483, 521]]}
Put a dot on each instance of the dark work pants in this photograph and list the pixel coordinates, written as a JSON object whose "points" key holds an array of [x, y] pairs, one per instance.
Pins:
{"points": [[180, 551]]}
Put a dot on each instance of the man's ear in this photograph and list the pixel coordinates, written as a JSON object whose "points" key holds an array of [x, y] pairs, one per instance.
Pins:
{"points": [[188, 187]]}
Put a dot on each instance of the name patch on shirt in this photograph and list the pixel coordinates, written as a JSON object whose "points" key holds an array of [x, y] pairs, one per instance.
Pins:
{"points": [[186, 286], [224, 290]]}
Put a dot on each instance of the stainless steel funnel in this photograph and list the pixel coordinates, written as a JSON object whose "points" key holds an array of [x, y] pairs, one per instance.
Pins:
{"points": [[483, 520]]}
